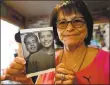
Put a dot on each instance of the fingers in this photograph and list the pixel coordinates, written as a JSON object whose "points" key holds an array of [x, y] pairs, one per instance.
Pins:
{"points": [[20, 60], [59, 82], [2, 77], [12, 71], [67, 77], [68, 82], [61, 69], [64, 82], [64, 71], [61, 65], [17, 78], [15, 70], [16, 65]]}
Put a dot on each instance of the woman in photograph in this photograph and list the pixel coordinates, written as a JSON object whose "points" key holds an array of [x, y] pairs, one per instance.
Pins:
{"points": [[77, 63]]}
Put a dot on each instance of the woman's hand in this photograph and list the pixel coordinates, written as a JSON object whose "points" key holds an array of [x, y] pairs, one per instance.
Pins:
{"points": [[16, 71], [63, 76]]}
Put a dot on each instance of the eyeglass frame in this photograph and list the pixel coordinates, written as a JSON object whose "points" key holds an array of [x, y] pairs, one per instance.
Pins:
{"points": [[70, 21]]}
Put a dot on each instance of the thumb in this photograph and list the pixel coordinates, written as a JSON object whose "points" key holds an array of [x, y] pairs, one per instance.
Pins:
{"points": [[61, 65]]}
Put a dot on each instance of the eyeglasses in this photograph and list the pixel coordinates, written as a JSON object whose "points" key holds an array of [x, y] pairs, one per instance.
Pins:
{"points": [[76, 22]]}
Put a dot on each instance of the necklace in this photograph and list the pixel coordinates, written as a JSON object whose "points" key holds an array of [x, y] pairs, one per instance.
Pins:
{"points": [[74, 66], [82, 60]]}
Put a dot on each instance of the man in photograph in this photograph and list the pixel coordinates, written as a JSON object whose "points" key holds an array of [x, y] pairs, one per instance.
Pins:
{"points": [[31, 42], [32, 46]]}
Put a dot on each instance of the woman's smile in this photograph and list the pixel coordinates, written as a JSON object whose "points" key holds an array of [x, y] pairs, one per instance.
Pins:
{"points": [[69, 35]]}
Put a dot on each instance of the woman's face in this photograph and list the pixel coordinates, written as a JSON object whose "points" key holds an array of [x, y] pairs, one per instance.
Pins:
{"points": [[31, 44], [46, 38], [74, 32]]}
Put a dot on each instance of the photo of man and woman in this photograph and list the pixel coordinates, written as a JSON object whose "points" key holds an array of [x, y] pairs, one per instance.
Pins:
{"points": [[39, 43]]}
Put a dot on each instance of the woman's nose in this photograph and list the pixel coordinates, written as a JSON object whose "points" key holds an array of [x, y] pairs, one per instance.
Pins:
{"points": [[69, 27], [32, 44], [46, 39]]}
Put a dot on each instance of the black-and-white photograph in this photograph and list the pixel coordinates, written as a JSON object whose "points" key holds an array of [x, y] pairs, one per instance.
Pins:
{"points": [[38, 50]]}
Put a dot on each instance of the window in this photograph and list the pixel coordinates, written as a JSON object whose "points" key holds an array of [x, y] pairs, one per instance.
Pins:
{"points": [[8, 43], [8, 46]]}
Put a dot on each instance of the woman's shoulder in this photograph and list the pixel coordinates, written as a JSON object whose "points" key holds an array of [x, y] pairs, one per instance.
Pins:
{"points": [[97, 55], [93, 49], [97, 52]]}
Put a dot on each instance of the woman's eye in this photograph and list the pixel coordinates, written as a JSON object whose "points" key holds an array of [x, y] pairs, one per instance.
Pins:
{"points": [[63, 22], [27, 43], [41, 36], [48, 35], [78, 21]]}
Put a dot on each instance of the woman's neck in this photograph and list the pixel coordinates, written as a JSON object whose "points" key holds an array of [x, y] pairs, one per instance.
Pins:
{"points": [[75, 57], [50, 50], [75, 50]]}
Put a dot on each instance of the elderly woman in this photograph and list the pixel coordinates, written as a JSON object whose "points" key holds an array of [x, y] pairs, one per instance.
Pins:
{"points": [[77, 63]]}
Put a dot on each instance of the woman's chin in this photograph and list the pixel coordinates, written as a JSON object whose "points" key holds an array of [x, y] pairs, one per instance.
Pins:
{"points": [[70, 44]]}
